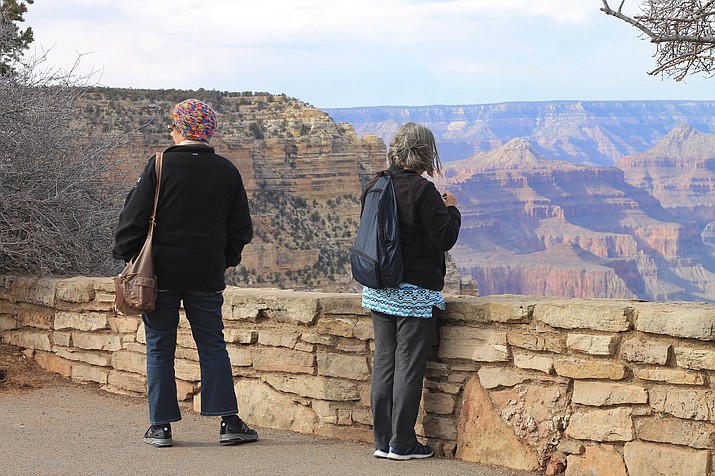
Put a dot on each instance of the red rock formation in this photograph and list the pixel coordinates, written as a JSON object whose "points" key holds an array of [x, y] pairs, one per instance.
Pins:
{"points": [[530, 225], [540, 227], [679, 172]]}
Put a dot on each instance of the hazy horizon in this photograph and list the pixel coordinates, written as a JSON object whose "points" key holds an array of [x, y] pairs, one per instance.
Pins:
{"points": [[362, 54]]}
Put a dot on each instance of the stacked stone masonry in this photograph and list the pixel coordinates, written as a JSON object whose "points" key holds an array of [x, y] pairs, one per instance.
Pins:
{"points": [[606, 387]]}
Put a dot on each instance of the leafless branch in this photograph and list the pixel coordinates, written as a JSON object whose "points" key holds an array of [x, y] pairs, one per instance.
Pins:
{"points": [[57, 207], [683, 32]]}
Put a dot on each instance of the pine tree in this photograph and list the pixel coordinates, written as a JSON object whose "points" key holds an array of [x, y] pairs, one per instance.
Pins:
{"points": [[13, 40]]}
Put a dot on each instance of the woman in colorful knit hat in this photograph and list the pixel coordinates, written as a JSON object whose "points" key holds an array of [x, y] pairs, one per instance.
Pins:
{"points": [[194, 120], [202, 224]]}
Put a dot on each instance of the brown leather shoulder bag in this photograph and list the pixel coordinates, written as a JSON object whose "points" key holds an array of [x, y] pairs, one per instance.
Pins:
{"points": [[135, 286]]}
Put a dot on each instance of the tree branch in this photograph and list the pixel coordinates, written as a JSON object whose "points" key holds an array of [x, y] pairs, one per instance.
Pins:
{"points": [[683, 32], [608, 11]]}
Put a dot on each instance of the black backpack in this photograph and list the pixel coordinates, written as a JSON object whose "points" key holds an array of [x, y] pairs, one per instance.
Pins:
{"points": [[376, 258]]}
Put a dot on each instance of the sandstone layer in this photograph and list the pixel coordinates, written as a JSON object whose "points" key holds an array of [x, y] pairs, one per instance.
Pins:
{"points": [[544, 227], [303, 173]]}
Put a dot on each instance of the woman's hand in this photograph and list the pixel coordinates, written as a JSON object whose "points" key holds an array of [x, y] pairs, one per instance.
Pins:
{"points": [[449, 199]]}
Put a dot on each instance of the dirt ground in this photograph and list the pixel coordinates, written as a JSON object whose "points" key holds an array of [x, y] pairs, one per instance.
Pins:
{"points": [[19, 373]]}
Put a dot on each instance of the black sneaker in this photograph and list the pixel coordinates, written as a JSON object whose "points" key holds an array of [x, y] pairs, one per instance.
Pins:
{"points": [[234, 431], [159, 435], [418, 451]]}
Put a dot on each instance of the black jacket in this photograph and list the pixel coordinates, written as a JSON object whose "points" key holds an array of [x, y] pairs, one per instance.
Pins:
{"points": [[202, 221], [428, 228]]}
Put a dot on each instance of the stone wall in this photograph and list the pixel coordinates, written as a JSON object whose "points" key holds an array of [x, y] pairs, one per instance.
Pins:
{"points": [[606, 387]]}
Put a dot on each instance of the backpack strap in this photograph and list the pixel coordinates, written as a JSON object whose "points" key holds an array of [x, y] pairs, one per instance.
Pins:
{"points": [[418, 244], [382, 173]]}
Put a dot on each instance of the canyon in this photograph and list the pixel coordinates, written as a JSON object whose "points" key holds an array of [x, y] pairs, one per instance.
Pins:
{"points": [[575, 199], [589, 132], [303, 174], [544, 227]]}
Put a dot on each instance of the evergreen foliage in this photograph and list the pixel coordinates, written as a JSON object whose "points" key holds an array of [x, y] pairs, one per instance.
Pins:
{"points": [[13, 40]]}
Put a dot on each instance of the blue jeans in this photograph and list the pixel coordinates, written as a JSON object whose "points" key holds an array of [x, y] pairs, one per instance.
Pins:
{"points": [[203, 310]]}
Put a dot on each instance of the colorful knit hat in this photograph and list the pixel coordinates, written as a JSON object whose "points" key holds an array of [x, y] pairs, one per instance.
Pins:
{"points": [[195, 120]]}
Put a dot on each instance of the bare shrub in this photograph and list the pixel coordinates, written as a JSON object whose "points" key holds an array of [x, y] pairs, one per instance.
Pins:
{"points": [[58, 203]]}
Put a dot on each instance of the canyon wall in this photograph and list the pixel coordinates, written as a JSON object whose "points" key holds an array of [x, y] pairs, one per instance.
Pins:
{"points": [[680, 173], [303, 174], [591, 132], [544, 227], [603, 386], [532, 225]]}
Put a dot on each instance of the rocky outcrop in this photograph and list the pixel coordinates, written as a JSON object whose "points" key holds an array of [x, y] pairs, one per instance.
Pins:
{"points": [[303, 173], [543, 227], [562, 270], [276, 141], [679, 172]]}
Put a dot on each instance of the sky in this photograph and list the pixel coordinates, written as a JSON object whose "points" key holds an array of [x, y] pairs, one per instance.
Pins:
{"points": [[334, 53]]}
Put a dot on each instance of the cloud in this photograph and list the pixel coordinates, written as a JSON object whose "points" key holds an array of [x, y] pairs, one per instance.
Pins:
{"points": [[354, 53], [560, 11]]}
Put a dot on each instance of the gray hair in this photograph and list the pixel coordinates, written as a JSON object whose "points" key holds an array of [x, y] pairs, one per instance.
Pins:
{"points": [[414, 147]]}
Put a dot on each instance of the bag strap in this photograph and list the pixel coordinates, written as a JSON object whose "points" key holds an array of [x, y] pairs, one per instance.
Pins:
{"points": [[158, 166], [389, 172], [421, 242]]}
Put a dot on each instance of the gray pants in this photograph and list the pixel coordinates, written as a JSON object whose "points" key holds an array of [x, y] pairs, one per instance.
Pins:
{"points": [[402, 346]]}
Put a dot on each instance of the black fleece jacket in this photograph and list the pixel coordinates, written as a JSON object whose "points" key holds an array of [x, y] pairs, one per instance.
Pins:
{"points": [[202, 221], [428, 228]]}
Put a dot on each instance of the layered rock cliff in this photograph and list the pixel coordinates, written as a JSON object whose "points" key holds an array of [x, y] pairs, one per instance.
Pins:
{"points": [[592, 132], [679, 172], [545, 227], [531, 224], [302, 171]]}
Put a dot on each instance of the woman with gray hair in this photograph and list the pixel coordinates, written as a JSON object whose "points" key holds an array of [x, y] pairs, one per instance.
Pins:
{"points": [[404, 316]]}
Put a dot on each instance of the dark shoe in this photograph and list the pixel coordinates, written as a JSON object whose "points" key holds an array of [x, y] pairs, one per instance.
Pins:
{"points": [[234, 431], [159, 435], [418, 451], [381, 453]]}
